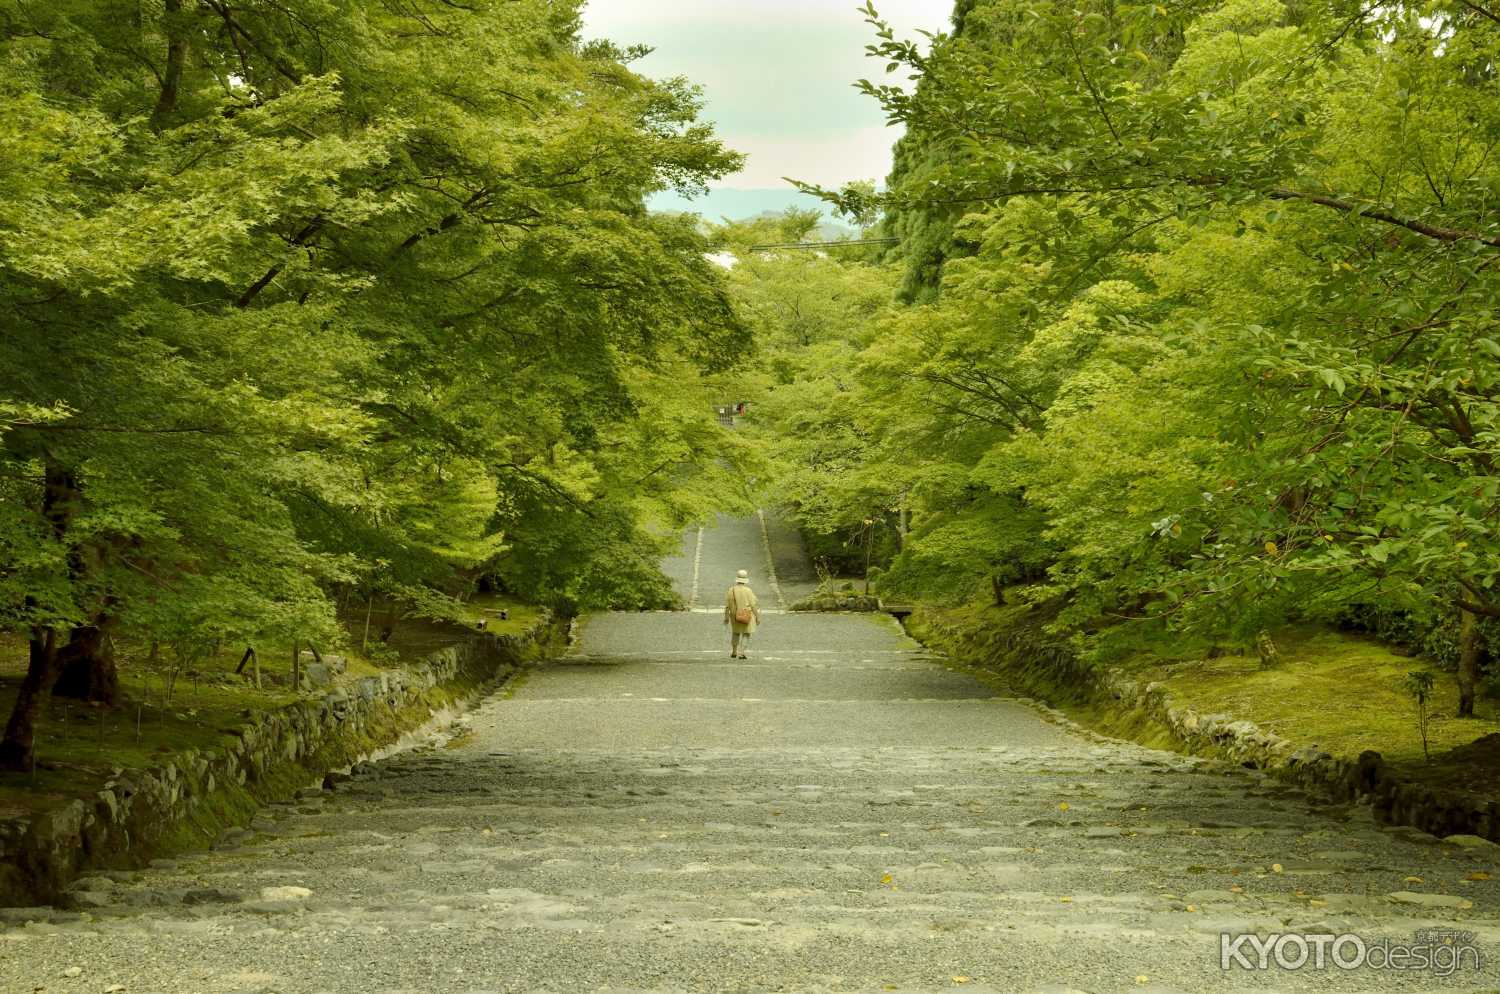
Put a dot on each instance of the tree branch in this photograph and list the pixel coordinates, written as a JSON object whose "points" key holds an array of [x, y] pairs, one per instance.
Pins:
{"points": [[1098, 100], [442, 225], [556, 489], [302, 238], [1481, 11], [235, 28], [1411, 224]]}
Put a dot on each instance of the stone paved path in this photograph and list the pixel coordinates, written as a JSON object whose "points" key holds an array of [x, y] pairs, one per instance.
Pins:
{"points": [[766, 546], [838, 813]]}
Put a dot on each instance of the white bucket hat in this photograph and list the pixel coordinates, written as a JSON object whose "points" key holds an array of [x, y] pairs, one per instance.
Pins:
{"points": [[742, 577]]}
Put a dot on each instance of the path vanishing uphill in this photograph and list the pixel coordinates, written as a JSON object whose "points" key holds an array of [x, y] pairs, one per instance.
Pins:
{"points": [[837, 813]]}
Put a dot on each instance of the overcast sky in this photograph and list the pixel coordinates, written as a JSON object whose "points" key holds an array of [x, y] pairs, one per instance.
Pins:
{"points": [[777, 76]]}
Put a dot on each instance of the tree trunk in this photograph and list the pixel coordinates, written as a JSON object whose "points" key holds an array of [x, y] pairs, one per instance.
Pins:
{"points": [[17, 748], [391, 617], [1468, 661], [60, 497], [171, 80], [998, 589], [87, 664]]}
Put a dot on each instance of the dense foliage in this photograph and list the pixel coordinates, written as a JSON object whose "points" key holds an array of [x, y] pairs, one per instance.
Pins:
{"points": [[1219, 349], [310, 295]]}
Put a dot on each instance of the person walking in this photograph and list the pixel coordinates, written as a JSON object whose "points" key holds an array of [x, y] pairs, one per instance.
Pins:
{"points": [[741, 614]]}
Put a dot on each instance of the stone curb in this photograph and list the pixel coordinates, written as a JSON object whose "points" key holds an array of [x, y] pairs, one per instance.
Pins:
{"points": [[40, 854]]}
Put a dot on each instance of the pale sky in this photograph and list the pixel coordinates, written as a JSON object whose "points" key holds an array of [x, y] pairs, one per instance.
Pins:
{"points": [[777, 75]]}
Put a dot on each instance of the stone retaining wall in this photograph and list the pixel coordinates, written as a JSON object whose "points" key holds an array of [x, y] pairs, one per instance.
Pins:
{"points": [[1366, 779], [139, 813], [838, 601]]}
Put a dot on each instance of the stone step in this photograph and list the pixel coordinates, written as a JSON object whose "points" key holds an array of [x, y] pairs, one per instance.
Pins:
{"points": [[868, 822]]}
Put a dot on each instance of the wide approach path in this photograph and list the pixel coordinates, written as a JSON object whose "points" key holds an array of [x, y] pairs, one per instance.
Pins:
{"points": [[837, 813]]}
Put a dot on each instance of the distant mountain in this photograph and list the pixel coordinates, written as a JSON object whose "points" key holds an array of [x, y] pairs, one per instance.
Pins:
{"points": [[826, 231], [737, 204]]}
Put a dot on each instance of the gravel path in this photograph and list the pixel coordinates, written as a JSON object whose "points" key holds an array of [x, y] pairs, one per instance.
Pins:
{"points": [[837, 813]]}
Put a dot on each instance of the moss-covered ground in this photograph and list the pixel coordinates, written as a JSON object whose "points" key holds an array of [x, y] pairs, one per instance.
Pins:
{"points": [[1340, 691], [169, 705]]}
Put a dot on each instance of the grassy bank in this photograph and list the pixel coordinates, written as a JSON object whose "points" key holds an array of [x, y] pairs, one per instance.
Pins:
{"points": [[1339, 691], [168, 706], [191, 774]]}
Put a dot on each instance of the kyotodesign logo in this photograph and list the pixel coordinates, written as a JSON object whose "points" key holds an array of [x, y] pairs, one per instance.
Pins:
{"points": [[1441, 951]]}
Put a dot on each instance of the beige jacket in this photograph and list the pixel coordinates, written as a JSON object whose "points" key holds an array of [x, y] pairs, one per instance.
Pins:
{"points": [[740, 596]]}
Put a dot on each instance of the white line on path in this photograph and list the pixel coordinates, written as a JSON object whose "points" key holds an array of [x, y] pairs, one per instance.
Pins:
{"points": [[765, 541], [720, 610], [697, 568]]}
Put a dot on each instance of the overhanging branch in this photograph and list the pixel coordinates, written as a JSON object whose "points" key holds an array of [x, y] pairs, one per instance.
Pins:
{"points": [[1437, 232]]}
